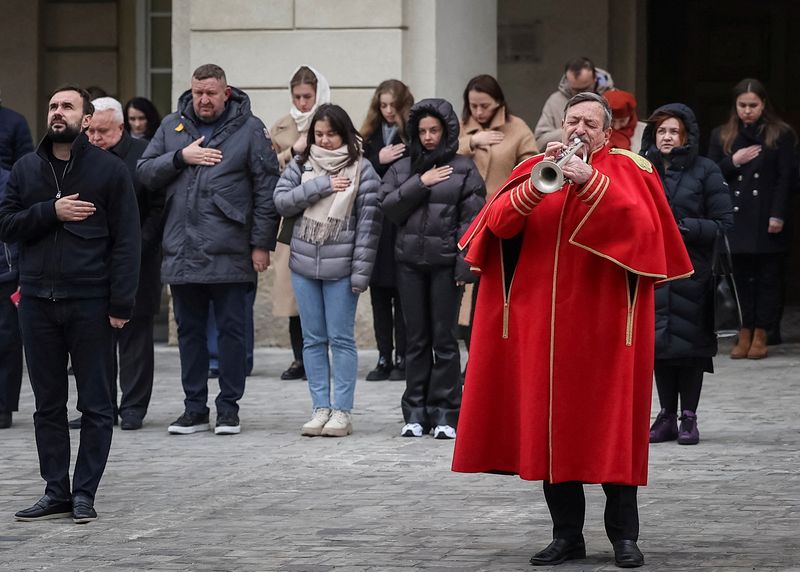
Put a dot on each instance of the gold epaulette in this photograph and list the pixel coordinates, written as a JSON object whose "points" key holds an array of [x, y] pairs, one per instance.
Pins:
{"points": [[640, 161]]}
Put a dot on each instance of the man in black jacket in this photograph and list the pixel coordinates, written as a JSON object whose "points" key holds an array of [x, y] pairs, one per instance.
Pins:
{"points": [[10, 343], [68, 206], [107, 131]]}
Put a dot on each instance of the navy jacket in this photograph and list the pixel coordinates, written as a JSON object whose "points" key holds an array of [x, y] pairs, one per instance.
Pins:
{"points": [[8, 252], [94, 258], [15, 137]]}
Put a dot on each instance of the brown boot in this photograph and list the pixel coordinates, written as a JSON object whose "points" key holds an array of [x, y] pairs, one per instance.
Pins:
{"points": [[758, 349], [742, 346]]}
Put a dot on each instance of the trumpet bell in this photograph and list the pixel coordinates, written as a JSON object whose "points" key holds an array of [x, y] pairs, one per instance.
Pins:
{"points": [[547, 177]]}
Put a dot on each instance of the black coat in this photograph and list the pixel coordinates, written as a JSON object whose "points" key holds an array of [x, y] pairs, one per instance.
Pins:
{"points": [[430, 220], [383, 273], [15, 137], [760, 189], [701, 203], [94, 258], [8, 251], [151, 205]]}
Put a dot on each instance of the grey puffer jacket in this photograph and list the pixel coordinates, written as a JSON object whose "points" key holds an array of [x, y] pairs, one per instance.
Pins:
{"points": [[430, 220], [213, 216], [352, 252]]}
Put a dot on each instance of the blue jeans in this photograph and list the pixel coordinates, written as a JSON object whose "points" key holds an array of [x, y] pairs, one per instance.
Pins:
{"points": [[328, 316], [212, 333], [191, 303]]}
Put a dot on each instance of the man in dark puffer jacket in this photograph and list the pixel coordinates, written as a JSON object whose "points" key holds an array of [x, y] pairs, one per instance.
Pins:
{"points": [[432, 196]]}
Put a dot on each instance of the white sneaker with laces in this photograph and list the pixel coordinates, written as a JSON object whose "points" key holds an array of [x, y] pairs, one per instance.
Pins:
{"points": [[411, 430], [339, 425], [313, 428], [444, 432]]}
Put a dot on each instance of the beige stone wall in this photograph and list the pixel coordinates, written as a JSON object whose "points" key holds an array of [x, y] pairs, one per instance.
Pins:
{"points": [[19, 60]]}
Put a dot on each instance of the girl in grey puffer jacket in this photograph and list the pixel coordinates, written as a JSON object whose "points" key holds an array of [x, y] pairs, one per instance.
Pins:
{"points": [[334, 241]]}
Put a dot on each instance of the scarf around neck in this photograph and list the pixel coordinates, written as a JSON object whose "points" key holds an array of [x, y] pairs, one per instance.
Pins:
{"points": [[326, 218]]}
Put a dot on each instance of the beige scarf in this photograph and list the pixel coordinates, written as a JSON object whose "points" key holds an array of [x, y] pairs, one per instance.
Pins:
{"points": [[326, 218]]}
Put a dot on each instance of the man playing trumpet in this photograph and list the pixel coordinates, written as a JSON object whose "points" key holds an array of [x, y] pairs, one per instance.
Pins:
{"points": [[563, 333]]}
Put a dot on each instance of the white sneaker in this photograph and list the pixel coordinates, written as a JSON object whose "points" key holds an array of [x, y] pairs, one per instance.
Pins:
{"points": [[411, 430], [339, 425], [444, 432], [319, 418]]}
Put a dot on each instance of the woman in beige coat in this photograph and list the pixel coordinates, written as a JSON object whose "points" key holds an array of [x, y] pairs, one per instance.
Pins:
{"points": [[308, 89], [497, 141]]}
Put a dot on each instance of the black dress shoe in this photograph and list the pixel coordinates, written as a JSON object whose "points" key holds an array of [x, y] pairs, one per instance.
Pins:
{"points": [[398, 372], [130, 421], [627, 554], [294, 371], [82, 510], [560, 550], [5, 420], [381, 371], [45, 509]]}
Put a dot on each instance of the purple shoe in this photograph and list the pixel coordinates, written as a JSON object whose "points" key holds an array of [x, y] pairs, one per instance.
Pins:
{"points": [[688, 434], [664, 428]]}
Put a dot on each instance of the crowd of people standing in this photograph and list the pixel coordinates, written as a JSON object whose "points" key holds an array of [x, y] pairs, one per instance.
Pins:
{"points": [[208, 197]]}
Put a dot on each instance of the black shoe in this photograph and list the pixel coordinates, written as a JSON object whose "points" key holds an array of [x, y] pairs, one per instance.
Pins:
{"points": [[227, 424], [294, 371], [5, 420], [213, 372], [560, 550], [82, 510], [398, 372], [381, 371], [627, 554], [75, 423], [45, 509], [189, 423], [131, 421]]}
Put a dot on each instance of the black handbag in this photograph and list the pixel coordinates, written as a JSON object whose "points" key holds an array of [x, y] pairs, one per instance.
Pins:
{"points": [[727, 311]]}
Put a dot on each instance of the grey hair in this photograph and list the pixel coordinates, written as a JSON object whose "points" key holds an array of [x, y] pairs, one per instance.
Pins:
{"points": [[106, 103], [594, 98]]}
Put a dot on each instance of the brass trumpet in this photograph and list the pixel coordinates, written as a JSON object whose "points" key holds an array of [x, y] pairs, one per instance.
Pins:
{"points": [[547, 176]]}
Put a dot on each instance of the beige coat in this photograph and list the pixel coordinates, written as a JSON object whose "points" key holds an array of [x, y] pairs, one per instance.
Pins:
{"points": [[284, 133], [496, 162]]}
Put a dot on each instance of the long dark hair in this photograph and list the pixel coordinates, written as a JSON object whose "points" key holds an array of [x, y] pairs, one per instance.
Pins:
{"points": [[150, 112], [483, 83], [403, 100], [342, 124], [771, 128]]}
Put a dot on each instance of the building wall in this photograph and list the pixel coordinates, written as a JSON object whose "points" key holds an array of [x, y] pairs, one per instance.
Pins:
{"points": [[19, 62]]}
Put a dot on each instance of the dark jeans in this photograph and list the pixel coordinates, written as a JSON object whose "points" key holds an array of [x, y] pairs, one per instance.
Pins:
{"points": [[52, 330], [758, 281], [213, 334], [673, 381], [190, 302], [136, 365], [388, 321], [10, 351], [433, 365], [567, 506]]}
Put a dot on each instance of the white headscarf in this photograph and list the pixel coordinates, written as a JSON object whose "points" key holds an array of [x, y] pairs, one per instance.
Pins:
{"points": [[301, 118]]}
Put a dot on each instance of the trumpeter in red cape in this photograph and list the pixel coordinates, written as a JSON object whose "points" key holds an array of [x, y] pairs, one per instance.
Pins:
{"points": [[561, 367]]}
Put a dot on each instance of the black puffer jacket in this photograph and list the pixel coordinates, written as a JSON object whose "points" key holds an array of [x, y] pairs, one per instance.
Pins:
{"points": [[430, 220], [701, 204]]}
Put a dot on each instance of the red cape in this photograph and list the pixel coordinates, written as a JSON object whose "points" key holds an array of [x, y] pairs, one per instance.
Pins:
{"points": [[559, 381]]}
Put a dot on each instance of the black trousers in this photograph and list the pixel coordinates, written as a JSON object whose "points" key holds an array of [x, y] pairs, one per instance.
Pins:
{"points": [[136, 365], [758, 281], [433, 365], [296, 337], [190, 302], [10, 351], [673, 381], [52, 330], [388, 321], [567, 506]]}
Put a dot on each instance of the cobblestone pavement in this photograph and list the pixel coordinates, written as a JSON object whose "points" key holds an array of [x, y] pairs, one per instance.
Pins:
{"points": [[269, 499]]}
